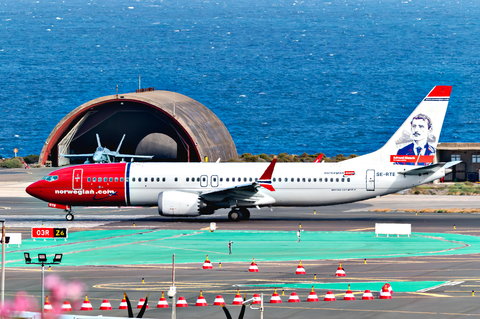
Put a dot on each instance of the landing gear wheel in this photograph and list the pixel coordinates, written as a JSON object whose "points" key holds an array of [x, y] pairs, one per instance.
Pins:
{"points": [[246, 213], [235, 215], [69, 217]]}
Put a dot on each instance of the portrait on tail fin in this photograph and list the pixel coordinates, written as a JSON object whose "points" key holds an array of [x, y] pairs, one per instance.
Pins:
{"points": [[422, 142]]}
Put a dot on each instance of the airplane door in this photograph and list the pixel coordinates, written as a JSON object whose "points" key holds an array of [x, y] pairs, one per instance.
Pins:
{"points": [[204, 180], [214, 181], [77, 178], [370, 179]]}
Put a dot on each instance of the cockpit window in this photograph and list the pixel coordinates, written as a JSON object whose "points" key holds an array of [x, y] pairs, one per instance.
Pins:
{"points": [[99, 149], [51, 178]]}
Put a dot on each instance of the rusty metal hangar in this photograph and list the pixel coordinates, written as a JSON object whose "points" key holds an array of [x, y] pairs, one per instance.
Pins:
{"points": [[168, 125]]}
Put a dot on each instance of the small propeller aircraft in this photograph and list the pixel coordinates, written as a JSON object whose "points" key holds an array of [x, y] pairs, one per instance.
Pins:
{"points": [[104, 155]]}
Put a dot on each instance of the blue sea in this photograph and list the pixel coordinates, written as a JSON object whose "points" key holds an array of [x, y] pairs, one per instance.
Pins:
{"points": [[284, 76]]}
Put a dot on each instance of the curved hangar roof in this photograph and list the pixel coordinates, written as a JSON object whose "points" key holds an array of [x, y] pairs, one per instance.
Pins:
{"points": [[168, 125]]}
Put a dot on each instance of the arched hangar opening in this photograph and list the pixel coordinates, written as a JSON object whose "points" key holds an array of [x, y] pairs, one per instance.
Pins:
{"points": [[170, 126]]}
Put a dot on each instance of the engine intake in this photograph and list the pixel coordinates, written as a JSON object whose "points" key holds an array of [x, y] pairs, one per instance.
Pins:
{"points": [[178, 203]]}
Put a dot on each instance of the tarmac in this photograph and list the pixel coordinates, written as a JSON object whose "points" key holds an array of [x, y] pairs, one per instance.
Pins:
{"points": [[110, 250]]}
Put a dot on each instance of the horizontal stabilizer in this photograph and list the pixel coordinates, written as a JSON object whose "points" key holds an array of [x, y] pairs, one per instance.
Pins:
{"points": [[429, 169]]}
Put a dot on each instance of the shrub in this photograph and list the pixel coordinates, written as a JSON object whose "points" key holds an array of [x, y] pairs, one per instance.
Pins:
{"points": [[30, 159], [12, 163], [265, 157]]}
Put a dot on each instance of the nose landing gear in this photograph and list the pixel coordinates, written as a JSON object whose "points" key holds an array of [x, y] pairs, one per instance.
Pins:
{"points": [[69, 215]]}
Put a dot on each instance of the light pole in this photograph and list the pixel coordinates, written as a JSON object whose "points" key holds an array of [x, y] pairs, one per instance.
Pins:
{"points": [[2, 301], [42, 260]]}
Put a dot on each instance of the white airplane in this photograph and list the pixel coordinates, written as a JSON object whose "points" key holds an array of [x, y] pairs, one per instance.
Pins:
{"points": [[193, 189]]}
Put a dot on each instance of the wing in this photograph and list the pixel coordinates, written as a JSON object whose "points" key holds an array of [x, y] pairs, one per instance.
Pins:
{"points": [[131, 156], [76, 155], [245, 194]]}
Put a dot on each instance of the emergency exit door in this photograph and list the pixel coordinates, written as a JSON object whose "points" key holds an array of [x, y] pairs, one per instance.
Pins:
{"points": [[370, 179], [77, 179]]}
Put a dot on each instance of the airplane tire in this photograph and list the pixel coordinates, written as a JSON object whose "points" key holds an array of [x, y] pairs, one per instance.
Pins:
{"points": [[69, 217], [245, 213], [235, 215]]}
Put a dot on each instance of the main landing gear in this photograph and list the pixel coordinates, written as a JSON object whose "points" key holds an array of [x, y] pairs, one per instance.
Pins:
{"points": [[69, 215], [238, 214]]}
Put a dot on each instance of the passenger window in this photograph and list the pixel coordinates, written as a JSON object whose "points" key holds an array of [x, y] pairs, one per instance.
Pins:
{"points": [[188, 179], [251, 179], [274, 179], [303, 179], [94, 179], [292, 180], [163, 179], [110, 179], [176, 179], [152, 179], [320, 179], [193, 179], [221, 179], [228, 179], [214, 179], [298, 179], [309, 180], [233, 179], [203, 179], [133, 179], [314, 179], [244, 179], [343, 180], [348, 179], [239, 179], [116, 179], [337, 180], [99, 179], [279, 179], [256, 179], [121, 179], [158, 179], [88, 179]]}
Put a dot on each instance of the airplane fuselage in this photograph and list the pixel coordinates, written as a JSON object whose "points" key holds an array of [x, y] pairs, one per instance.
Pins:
{"points": [[295, 184]]}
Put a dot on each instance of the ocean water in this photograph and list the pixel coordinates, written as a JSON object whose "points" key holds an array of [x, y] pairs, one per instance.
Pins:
{"points": [[284, 76]]}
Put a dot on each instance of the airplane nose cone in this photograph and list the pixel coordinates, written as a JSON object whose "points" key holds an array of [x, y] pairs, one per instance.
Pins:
{"points": [[34, 189]]}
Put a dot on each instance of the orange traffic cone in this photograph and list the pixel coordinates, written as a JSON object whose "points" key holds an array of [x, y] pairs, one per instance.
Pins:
{"points": [[253, 267], [329, 296], [312, 297], [293, 297], [66, 306], [256, 299], [219, 301], [340, 271], [275, 297], [162, 303], [207, 264], [300, 270], [238, 300], [123, 303], [385, 293], [86, 305], [106, 305], [47, 306], [182, 302], [367, 295], [141, 302], [201, 302], [349, 295]]}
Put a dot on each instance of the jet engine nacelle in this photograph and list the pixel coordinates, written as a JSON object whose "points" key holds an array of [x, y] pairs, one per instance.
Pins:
{"points": [[178, 203]]}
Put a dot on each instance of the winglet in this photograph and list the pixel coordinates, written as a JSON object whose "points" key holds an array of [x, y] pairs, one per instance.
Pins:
{"points": [[266, 179], [319, 158]]}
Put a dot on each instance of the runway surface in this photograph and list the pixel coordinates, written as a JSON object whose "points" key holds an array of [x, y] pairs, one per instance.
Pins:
{"points": [[428, 285]]}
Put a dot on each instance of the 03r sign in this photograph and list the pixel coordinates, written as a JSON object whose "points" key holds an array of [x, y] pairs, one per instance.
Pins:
{"points": [[45, 232]]}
